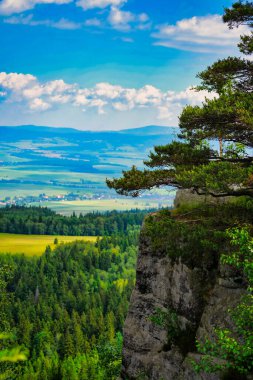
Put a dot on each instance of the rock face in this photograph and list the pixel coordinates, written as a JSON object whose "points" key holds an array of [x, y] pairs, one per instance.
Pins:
{"points": [[188, 196], [199, 296]]}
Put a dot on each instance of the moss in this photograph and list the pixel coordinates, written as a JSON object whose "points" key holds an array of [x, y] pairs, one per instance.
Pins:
{"points": [[168, 319], [195, 234], [142, 376], [180, 240]]}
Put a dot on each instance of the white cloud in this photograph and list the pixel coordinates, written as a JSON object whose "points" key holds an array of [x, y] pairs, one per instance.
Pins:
{"points": [[173, 102], [107, 90], [15, 81], [53, 88], [29, 20], [89, 4], [115, 17], [122, 20], [118, 19], [148, 95], [65, 24], [164, 113], [8, 7], [35, 96], [92, 22], [38, 104], [200, 34], [120, 106]]}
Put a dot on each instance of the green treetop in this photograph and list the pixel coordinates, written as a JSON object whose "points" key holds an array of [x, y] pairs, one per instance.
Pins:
{"points": [[241, 13]]}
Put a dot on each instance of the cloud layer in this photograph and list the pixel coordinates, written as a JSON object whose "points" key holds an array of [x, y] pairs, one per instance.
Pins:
{"points": [[200, 34], [206, 34], [62, 23], [8, 7], [90, 4], [115, 17], [35, 96]]}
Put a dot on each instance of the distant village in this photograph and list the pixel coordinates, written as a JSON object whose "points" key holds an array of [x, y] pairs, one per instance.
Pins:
{"points": [[42, 198]]}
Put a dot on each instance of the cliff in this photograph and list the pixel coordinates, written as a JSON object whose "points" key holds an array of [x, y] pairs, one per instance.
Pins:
{"points": [[182, 292]]}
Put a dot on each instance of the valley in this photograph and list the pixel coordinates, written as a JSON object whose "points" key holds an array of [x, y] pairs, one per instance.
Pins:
{"points": [[66, 169], [64, 293]]}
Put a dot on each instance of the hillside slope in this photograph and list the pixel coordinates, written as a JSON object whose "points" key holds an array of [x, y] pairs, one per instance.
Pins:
{"points": [[54, 157]]}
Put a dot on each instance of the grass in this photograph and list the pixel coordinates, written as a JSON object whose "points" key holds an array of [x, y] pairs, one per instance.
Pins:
{"points": [[34, 245]]}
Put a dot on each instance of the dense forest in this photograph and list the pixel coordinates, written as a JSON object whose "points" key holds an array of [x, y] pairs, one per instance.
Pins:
{"points": [[65, 310], [43, 221]]}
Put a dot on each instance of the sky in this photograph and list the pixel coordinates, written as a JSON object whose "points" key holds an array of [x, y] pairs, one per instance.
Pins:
{"points": [[107, 64]]}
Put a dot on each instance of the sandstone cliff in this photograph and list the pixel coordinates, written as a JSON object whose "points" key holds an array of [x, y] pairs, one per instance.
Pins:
{"points": [[199, 292]]}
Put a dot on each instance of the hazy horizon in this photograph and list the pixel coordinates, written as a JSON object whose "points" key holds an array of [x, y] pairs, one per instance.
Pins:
{"points": [[87, 130]]}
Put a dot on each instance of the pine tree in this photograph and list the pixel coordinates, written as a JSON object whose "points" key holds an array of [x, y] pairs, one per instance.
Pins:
{"points": [[222, 169]]}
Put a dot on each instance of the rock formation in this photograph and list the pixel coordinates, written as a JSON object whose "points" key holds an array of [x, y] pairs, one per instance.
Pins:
{"points": [[199, 295]]}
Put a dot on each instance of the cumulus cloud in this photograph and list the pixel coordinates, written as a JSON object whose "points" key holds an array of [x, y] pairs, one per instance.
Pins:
{"points": [[123, 20], [120, 19], [15, 81], [199, 34], [8, 7], [38, 104], [35, 96]]}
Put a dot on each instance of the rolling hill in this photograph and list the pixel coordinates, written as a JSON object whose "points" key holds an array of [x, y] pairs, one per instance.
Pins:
{"points": [[53, 157]]}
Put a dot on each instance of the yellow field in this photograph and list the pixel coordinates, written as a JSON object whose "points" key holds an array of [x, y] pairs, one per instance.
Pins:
{"points": [[34, 245]]}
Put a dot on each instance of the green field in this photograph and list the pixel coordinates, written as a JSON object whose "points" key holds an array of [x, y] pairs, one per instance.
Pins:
{"points": [[48, 174], [101, 205], [35, 245]]}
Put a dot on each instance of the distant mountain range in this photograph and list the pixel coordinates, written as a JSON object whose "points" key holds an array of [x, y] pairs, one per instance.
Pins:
{"points": [[78, 150], [151, 130], [48, 154], [25, 131]]}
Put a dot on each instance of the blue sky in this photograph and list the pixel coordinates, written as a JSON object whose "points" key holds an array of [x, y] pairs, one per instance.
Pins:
{"points": [[106, 64]]}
